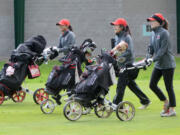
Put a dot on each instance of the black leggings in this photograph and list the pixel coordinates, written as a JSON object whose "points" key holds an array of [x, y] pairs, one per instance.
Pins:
{"points": [[168, 80], [126, 80]]}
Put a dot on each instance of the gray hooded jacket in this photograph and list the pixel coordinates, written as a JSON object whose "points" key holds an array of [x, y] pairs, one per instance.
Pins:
{"points": [[162, 49], [66, 41], [127, 57]]}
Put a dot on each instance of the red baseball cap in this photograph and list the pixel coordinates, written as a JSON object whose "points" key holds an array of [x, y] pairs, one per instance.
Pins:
{"points": [[119, 21], [156, 17], [64, 22]]}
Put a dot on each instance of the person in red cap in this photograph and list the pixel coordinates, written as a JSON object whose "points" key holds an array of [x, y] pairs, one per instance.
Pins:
{"points": [[160, 52], [67, 38], [124, 44]]}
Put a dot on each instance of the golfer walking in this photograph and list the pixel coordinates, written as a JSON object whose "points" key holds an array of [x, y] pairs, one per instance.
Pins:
{"points": [[123, 38], [67, 37], [160, 47]]}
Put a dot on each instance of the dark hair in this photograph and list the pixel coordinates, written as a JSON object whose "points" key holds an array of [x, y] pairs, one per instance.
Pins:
{"points": [[165, 24], [70, 28], [126, 29]]}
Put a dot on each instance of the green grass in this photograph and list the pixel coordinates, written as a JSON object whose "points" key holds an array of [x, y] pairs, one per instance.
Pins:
{"points": [[27, 119]]}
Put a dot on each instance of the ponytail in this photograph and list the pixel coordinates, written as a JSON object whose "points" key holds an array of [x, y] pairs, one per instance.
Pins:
{"points": [[70, 28], [126, 29], [165, 24]]}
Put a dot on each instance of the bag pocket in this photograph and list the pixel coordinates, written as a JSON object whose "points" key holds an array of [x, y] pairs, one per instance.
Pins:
{"points": [[33, 71]]}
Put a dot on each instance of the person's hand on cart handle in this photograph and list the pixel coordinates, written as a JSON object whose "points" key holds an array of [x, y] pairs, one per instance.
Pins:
{"points": [[149, 61]]}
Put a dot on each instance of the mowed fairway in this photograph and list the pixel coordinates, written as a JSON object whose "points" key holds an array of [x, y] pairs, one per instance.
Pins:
{"points": [[27, 119]]}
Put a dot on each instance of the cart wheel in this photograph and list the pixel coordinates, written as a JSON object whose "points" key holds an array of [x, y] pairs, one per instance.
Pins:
{"points": [[19, 96], [40, 95], [125, 111], [73, 110], [103, 111], [1, 97], [47, 106]]}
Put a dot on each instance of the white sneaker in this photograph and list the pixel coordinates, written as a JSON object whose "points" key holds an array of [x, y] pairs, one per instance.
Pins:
{"points": [[169, 113], [165, 109], [144, 106]]}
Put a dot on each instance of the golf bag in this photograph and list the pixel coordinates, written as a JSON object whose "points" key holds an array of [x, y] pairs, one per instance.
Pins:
{"points": [[61, 77], [100, 78], [66, 75], [21, 64]]}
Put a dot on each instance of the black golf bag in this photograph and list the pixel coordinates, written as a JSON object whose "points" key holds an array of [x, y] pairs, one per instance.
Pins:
{"points": [[98, 81], [61, 77], [64, 76], [22, 59]]}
